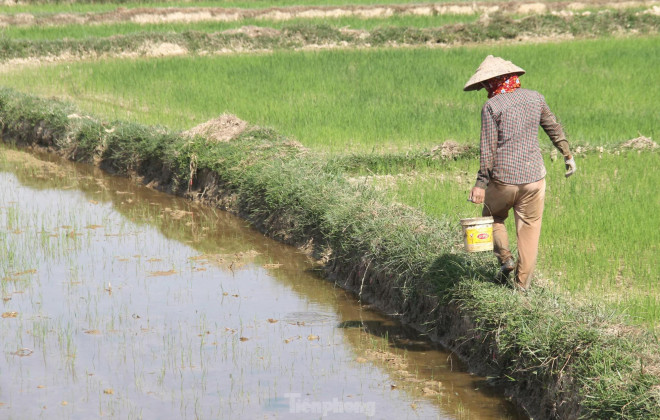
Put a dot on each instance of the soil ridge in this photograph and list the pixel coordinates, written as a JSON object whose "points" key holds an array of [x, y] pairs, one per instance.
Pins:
{"points": [[143, 15], [497, 29]]}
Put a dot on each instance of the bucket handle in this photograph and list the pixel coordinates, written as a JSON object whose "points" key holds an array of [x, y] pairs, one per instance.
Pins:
{"points": [[484, 203]]}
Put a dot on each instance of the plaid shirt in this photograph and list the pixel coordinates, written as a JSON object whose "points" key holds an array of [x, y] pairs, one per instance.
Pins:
{"points": [[510, 151]]}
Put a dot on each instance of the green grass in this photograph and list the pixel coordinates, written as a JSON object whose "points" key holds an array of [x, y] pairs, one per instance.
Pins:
{"points": [[81, 32], [599, 238], [370, 100], [109, 5]]}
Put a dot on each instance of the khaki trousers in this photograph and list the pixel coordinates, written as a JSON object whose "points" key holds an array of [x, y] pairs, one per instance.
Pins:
{"points": [[527, 201]]}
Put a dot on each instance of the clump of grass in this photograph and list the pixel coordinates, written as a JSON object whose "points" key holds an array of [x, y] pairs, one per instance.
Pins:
{"points": [[32, 117], [134, 148], [540, 339], [546, 338]]}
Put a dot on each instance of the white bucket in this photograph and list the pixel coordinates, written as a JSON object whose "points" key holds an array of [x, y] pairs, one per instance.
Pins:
{"points": [[478, 234]]}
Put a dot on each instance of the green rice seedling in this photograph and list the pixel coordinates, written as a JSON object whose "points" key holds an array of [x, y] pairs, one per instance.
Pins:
{"points": [[82, 32], [380, 100], [602, 231], [597, 226], [12, 218]]}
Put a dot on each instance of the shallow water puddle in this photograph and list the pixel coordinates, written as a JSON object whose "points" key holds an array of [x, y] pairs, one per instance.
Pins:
{"points": [[121, 302]]}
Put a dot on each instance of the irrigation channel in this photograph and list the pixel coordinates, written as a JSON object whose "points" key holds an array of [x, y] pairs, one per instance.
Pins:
{"points": [[119, 301]]}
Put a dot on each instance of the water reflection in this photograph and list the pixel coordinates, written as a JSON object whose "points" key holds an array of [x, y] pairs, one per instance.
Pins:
{"points": [[132, 303]]}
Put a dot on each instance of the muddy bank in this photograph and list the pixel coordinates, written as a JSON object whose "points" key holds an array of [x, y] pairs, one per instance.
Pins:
{"points": [[542, 350]]}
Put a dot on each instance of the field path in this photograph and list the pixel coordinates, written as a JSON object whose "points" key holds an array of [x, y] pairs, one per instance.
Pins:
{"points": [[217, 14], [518, 22]]}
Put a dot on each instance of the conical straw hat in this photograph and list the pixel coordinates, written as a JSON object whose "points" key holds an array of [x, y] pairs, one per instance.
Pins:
{"points": [[489, 68]]}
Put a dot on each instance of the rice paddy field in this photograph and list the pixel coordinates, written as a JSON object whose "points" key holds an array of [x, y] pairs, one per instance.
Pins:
{"points": [[385, 100], [393, 106]]}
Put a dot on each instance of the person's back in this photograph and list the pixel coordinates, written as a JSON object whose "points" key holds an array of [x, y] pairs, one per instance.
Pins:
{"points": [[511, 172], [513, 120]]}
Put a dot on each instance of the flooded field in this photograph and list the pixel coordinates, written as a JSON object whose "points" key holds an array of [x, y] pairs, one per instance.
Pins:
{"points": [[122, 302]]}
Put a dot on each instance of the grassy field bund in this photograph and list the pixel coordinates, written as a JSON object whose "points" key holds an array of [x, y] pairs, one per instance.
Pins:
{"points": [[370, 185], [96, 6]]}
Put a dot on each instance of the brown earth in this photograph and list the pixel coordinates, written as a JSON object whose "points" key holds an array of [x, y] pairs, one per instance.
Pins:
{"points": [[224, 128], [449, 150], [640, 143], [218, 14]]}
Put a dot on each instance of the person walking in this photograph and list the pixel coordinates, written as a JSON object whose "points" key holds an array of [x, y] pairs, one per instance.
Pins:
{"points": [[511, 171]]}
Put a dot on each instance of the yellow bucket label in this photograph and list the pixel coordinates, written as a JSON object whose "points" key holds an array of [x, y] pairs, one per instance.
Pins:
{"points": [[479, 235]]}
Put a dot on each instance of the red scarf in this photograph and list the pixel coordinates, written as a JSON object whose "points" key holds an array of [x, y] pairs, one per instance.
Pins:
{"points": [[502, 84]]}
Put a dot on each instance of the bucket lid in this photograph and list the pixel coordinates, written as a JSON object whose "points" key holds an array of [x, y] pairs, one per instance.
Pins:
{"points": [[477, 221]]}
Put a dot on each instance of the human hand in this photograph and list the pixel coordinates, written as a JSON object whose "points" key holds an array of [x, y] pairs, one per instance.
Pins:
{"points": [[477, 195], [570, 166]]}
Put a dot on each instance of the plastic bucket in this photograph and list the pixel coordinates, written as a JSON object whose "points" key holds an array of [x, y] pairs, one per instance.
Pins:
{"points": [[478, 234]]}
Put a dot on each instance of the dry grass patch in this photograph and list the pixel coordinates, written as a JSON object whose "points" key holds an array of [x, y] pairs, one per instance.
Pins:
{"points": [[222, 129]]}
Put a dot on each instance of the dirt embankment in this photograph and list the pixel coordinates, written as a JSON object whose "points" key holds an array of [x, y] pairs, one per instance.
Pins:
{"points": [[532, 28], [217, 14]]}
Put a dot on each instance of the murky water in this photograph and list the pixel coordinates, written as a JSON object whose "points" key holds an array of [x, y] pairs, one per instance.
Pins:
{"points": [[122, 302]]}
